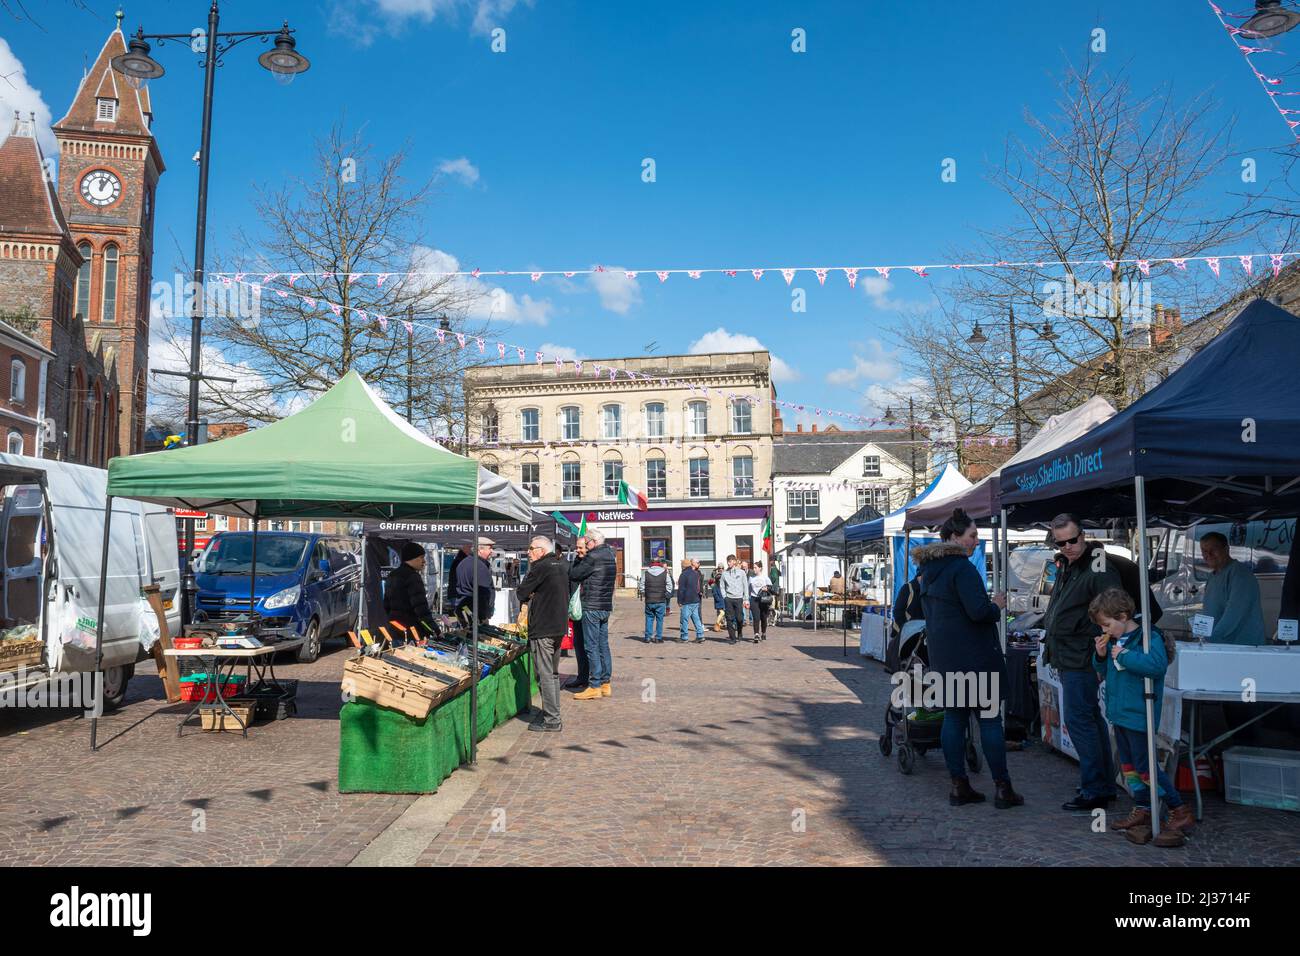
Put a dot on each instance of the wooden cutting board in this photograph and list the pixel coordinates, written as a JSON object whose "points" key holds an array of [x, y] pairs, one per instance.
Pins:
{"points": [[167, 669]]}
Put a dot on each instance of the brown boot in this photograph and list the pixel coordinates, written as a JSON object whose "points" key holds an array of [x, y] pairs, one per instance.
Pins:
{"points": [[1140, 817], [1169, 837], [1004, 797], [1141, 835], [1182, 819], [963, 793]]}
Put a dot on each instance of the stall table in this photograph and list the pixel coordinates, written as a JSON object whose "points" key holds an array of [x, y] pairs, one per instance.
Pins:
{"points": [[1194, 699], [259, 659]]}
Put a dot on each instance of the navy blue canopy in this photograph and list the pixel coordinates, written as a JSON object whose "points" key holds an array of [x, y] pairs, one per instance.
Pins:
{"points": [[1219, 438]]}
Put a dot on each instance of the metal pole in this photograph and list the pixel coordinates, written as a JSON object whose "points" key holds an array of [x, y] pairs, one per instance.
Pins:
{"points": [[252, 570], [911, 428], [99, 625], [196, 315], [1015, 376], [410, 364], [1148, 688], [473, 647], [844, 609], [1006, 577]]}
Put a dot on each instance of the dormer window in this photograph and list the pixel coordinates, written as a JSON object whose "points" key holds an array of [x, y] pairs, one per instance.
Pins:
{"points": [[148, 121], [106, 108]]}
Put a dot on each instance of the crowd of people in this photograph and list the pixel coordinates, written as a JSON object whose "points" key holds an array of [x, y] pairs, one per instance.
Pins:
{"points": [[1092, 634]]}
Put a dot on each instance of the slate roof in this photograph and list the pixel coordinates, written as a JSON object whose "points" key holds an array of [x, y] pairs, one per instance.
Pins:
{"points": [[819, 453]]}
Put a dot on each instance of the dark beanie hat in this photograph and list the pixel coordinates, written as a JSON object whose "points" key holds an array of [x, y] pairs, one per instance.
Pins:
{"points": [[412, 550]]}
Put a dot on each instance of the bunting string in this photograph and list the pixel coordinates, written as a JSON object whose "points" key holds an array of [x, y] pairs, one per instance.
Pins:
{"points": [[1268, 83]]}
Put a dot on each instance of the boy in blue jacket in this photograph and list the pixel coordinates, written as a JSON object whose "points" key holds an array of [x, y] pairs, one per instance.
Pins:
{"points": [[1121, 661]]}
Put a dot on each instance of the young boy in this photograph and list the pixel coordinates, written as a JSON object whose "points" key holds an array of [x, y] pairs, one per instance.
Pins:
{"points": [[1121, 660]]}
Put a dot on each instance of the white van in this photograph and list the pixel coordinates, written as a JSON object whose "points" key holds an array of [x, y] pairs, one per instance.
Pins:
{"points": [[1179, 575], [52, 528]]}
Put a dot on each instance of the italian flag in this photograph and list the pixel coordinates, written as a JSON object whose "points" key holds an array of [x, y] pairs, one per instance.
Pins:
{"points": [[630, 496], [767, 534]]}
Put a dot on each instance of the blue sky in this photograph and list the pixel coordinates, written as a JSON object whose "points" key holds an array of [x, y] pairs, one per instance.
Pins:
{"points": [[763, 156]]}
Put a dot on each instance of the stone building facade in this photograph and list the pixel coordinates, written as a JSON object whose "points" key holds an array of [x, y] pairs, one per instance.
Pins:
{"points": [[696, 439]]}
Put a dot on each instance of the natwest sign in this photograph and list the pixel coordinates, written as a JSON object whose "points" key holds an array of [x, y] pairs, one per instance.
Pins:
{"points": [[723, 512], [190, 514]]}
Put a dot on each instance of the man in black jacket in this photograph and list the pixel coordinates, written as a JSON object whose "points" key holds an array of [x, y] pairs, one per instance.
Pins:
{"points": [[1083, 572], [545, 589], [596, 571], [471, 571], [405, 598]]}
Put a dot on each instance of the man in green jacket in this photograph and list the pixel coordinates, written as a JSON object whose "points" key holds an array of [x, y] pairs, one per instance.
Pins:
{"points": [[1083, 572]]}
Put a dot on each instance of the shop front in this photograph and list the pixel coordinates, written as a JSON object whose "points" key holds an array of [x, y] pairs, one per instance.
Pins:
{"points": [[708, 533]]}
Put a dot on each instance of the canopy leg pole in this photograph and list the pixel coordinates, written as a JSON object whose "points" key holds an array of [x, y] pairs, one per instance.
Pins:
{"points": [[1148, 688], [252, 571], [96, 679], [1005, 579], [362, 600], [473, 654], [844, 611]]}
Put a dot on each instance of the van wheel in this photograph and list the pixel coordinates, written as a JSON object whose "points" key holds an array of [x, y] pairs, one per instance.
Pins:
{"points": [[115, 681], [310, 649]]}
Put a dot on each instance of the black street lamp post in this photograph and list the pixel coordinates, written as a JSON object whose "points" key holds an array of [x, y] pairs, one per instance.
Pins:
{"points": [[137, 65]]}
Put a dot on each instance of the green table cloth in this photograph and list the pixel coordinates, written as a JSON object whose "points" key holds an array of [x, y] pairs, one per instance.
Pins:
{"points": [[385, 751]]}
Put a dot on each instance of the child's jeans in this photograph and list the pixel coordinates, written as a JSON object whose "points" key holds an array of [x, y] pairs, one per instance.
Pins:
{"points": [[1132, 748]]}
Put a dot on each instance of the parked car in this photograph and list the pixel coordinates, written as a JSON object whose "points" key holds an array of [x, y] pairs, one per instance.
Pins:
{"points": [[1041, 595], [307, 585], [1179, 575], [52, 526]]}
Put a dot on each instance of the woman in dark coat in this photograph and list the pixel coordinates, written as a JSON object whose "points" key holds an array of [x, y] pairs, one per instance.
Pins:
{"points": [[962, 636]]}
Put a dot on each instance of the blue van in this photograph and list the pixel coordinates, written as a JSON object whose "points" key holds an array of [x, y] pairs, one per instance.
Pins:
{"points": [[308, 585]]}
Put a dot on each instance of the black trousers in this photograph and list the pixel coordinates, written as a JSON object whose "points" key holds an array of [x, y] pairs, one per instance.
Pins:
{"points": [[761, 613], [735, 617]]}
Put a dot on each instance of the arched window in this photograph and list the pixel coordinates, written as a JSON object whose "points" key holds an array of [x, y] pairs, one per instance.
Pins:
{"points": [[571, 423], [15, 443], [656, 475], [110, 285], [742, 418], [698, 485], [697, 419], [611, 421], [83, 280], [530, 424], [17, 381], [654, 420], [491, 423]]}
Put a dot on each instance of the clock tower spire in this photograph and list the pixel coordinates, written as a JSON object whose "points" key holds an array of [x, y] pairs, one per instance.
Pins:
{"points": [[109, 166]]}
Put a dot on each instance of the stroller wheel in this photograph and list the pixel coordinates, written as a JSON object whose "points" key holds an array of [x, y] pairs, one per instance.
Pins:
{"points": [[906, 759], [886, 742]]}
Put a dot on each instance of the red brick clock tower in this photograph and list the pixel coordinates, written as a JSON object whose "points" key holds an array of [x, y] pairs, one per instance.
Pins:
{"points": [[109, 166]]}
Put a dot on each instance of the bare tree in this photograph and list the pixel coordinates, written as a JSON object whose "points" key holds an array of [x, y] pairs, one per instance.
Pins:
{"points": [[355, 213], [1113, 177]]}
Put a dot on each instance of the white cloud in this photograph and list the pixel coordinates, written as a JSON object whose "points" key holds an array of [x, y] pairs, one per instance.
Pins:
{"points": [[720, 340], [553, 351], [486, 302], [461, 168], [17, 94], [876, 365], [617, 292], [363, 22]]}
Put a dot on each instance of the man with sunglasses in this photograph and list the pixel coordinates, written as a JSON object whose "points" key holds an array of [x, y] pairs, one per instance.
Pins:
{"points": [[545, 589], [1083, 572]]}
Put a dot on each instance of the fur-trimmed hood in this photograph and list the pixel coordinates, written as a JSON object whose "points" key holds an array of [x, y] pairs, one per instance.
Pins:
{"points": [[939, 549]]}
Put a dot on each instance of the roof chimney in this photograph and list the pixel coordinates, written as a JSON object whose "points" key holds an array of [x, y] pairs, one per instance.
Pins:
{"points": [[814, 428], [798, 427]]}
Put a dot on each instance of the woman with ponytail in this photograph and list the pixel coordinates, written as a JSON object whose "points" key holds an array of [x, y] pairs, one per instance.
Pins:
{"points": [[962, 636]]}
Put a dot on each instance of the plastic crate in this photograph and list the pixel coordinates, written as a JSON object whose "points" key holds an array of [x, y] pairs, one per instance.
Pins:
{"points": [[187, 643], [272, 704], [1260, 777], [194, 688]]}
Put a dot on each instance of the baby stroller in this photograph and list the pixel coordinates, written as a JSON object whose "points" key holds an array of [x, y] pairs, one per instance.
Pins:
{"points": [[915, 729]]}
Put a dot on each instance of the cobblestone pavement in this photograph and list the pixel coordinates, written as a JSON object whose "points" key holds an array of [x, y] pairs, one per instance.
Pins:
{"points": [[715, 754]]}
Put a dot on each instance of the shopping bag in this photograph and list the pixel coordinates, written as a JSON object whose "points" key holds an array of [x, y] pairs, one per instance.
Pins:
{"points": [[566, 642], [575, 606]]}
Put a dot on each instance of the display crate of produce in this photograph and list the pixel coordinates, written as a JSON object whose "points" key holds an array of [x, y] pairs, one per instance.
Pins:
{"points": [[194, 687], [24, 652], [401, 685], [215, 718], [1261, 777]]}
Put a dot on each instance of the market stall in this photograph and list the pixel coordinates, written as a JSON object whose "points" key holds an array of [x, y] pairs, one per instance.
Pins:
{"points": [[1219, 438], [831, 542], [347, 456]]}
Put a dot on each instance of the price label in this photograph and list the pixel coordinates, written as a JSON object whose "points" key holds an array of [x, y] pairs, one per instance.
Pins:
{"points": [[1202, 625], [1288, 631]]}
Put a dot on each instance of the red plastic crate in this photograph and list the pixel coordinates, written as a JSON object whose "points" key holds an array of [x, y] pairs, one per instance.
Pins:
{"points": [[187, 643], [199, 691]]}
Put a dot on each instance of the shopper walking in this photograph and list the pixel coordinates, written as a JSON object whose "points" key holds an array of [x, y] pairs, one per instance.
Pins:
{"points": [[657, 589], [545, 589], [735, 595], [719, 605], [1083, 572], [596, 571], [965, 651], [690, 588], [760, 600]]}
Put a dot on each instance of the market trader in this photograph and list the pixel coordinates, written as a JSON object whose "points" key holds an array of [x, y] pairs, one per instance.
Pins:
{"points": [[465, 585], [405, 599], [1083, 572], [1231, 596]]}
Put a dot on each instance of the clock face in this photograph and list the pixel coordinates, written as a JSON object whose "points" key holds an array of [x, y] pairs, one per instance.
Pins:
{"points": [[100, 187]]}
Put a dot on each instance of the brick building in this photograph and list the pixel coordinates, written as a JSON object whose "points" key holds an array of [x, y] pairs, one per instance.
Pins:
{"points": [[76, 254]]}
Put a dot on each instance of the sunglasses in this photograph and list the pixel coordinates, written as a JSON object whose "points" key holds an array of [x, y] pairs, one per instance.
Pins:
{"points": [[1068, 541]]}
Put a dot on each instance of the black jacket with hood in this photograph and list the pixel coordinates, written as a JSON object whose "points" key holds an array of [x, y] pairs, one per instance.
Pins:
{"points": [[596, 572], [960, 621], [1070, 630]]}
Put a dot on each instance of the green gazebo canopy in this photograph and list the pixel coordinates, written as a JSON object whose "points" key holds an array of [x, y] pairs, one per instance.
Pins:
{"points": [[348, 455]]}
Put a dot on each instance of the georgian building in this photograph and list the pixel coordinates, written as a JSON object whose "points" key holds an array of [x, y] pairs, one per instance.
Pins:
{"points": [[696, 439]]}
